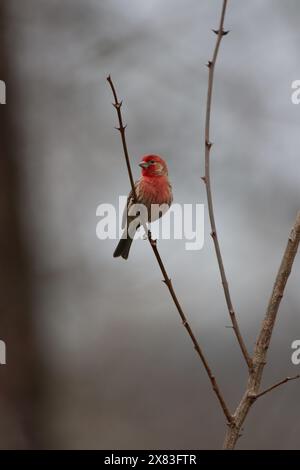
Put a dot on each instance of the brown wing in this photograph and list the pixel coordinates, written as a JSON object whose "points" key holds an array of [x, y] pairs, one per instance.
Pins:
{"points": [[128, 205]]}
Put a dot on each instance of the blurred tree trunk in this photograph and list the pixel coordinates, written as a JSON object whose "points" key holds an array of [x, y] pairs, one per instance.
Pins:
{"points": [[20, 389]]}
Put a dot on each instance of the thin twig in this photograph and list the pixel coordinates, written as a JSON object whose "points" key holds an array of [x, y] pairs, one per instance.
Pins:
{"points": [[118, 104], [282, 382], [264, 338], [211, 67], [185, 323]]}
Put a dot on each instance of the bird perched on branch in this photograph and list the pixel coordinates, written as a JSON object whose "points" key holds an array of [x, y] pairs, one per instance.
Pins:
{"points": [[154, 197]]}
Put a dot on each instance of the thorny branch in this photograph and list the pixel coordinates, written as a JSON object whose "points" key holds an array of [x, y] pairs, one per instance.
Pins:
{"points": [[167, 279], [257, 363], [208, 144]]}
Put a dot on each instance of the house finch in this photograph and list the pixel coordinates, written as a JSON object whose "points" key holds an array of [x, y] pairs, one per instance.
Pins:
{"points": [[152, 190]]}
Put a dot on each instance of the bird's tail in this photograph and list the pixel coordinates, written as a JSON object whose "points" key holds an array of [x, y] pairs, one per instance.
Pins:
{"points": [[123, 247]]}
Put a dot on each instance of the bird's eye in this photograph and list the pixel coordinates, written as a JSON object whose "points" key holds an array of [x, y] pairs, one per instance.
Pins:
{"points": [[152, 162]]}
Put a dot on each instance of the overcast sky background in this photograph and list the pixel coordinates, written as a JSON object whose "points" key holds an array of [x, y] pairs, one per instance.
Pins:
{"points": [[121, 370]]}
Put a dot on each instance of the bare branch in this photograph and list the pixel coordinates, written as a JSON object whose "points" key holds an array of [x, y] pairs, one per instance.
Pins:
{"points": [[197, 347], [167, 279], [211, 67], [117, 105], [284, 271], [282, 382], [264, 338]]}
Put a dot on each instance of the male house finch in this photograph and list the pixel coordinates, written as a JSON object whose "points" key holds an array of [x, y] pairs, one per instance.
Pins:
{"points": [[152, 188]]}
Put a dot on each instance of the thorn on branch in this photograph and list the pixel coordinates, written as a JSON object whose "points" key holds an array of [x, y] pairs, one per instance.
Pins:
{"points": [[213, 234], [223, 32], [117, 105], [208, 144], [121, 128], [209, 64], [203, 179]]}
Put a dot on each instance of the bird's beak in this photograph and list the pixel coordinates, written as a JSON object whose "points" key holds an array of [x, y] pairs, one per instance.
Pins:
{"points": [[144, 164]]}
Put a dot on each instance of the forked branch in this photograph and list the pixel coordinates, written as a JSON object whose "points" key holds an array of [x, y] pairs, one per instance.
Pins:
{"points": [[257, 363], [264, 338]]}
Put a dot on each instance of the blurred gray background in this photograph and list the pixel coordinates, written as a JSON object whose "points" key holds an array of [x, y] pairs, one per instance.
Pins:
{"points": [[112, 365]]}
